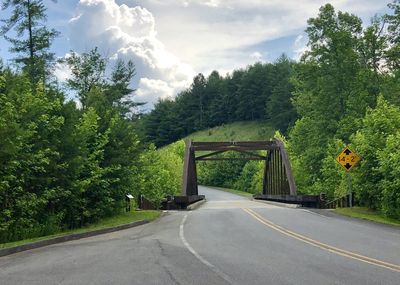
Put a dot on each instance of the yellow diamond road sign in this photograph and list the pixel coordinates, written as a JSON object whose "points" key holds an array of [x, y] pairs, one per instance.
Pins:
{"points": [[348, 158]]}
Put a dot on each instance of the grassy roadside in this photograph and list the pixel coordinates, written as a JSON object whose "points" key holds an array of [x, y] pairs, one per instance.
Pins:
{"points": [[367, 214], [237, 192], [124, 218]]}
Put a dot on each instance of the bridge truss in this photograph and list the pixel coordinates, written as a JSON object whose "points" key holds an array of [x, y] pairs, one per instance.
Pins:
{"points": [[278, 178]]}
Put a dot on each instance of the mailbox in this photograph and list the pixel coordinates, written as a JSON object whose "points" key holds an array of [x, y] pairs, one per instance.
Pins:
{"points": [[128, 199]]}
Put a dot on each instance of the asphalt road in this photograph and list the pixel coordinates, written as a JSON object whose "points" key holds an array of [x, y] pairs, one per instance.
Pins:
{"points": [[228, 240]]}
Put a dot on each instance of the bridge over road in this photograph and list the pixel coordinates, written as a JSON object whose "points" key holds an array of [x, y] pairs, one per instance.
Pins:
{"points": [[228, 240]]}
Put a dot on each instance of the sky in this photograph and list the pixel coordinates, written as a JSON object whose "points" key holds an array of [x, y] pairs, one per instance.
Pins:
{"points": [[172, 41]]}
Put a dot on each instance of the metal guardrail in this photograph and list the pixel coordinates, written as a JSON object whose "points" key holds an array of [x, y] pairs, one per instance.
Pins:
{"points": [[341, 202]]}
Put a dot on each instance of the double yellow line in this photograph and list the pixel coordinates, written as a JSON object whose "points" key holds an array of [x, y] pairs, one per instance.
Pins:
{"points": [[342, 252]]}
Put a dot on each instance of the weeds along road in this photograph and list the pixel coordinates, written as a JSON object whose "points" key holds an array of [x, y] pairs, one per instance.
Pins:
{"points": [[228, 240]]}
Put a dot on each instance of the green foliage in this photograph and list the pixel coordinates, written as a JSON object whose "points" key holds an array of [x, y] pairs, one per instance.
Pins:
{"points": [[240, 174], [257, 180], [333, 180], [238, 131], [64, 167], [161, 174], [31, 126], [345, 90], [368, 214], [116, 220], [337, 85], [222, 173], [378, 124], [87, 71], [246, 177], [389, 168], [33, 40], [307, 142], [259, 92], [279, 107], [392, 54]]}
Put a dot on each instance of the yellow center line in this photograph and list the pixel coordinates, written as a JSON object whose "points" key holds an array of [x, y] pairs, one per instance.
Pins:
{"points": [[332, 249]]}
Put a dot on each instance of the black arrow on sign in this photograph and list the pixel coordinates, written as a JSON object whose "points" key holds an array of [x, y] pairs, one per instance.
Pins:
{"points": [[347, 151], [348, 166]]}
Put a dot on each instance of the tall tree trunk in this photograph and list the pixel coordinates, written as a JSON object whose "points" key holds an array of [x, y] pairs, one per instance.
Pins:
{"points": [[30, 31], [31, 51]]}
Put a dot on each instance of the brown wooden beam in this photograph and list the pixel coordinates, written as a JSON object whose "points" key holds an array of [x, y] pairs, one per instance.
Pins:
{"points": [[251, 145], [288, 169], [230, 158], [252, 154], [227, 148], [210, 154]]}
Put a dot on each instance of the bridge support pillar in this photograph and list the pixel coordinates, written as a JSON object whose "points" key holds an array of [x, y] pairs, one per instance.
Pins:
{"points": [[265, 178], [189, 186]]}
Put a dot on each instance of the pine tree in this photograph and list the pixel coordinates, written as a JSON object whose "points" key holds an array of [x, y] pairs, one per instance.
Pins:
{"points": [[33, 38]]}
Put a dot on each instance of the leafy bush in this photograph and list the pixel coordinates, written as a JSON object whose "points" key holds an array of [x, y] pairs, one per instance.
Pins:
{"points": [[222, 173], [379, 123], [161, 173], [389, 167], [246, 179]]}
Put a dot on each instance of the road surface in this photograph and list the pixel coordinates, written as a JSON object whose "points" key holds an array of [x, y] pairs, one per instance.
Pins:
{"points": [[228, 240]]}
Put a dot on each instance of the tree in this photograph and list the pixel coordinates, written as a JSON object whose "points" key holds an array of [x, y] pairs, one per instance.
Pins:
{"points": [[118, 90], [88, 71], [329, 95], [198, 93], [27, 19], [279, 108], [162, 125], [217, 106], [253, 92], [393, 53], [30, 126], [378, 124], [333, 41]]}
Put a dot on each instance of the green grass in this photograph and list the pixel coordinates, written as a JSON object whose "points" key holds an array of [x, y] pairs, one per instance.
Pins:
{"points": [[121, 219], [237, 192], [238, 131], [367, 214]]}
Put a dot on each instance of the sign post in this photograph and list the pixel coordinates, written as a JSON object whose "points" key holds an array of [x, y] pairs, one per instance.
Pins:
{"points": [[348, 159], [350, 192]]}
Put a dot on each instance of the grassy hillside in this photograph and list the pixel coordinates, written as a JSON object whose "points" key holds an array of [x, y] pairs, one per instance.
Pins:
{"points": [[225, 174], [238, 131]]}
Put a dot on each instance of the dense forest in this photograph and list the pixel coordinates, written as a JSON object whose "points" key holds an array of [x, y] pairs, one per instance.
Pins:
{"points": [[344, 90], [66, 163], [259, 92]]}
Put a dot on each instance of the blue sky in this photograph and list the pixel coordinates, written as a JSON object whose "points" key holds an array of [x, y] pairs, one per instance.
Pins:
{"points": [[172, 40]]}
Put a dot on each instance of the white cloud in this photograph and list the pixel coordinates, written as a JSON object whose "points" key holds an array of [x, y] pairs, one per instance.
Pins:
{"points": [[152, 89], [62, 72], [129, 33], [161, 36], [300, 46], [209, 36], [256, 56], [212, 3]]}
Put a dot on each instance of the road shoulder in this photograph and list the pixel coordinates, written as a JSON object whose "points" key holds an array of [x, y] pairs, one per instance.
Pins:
{"points": [[73, 236]]}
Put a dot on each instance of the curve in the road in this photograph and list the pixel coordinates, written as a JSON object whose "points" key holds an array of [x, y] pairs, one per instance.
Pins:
{"points": [[323, 246], [198, 256]]}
